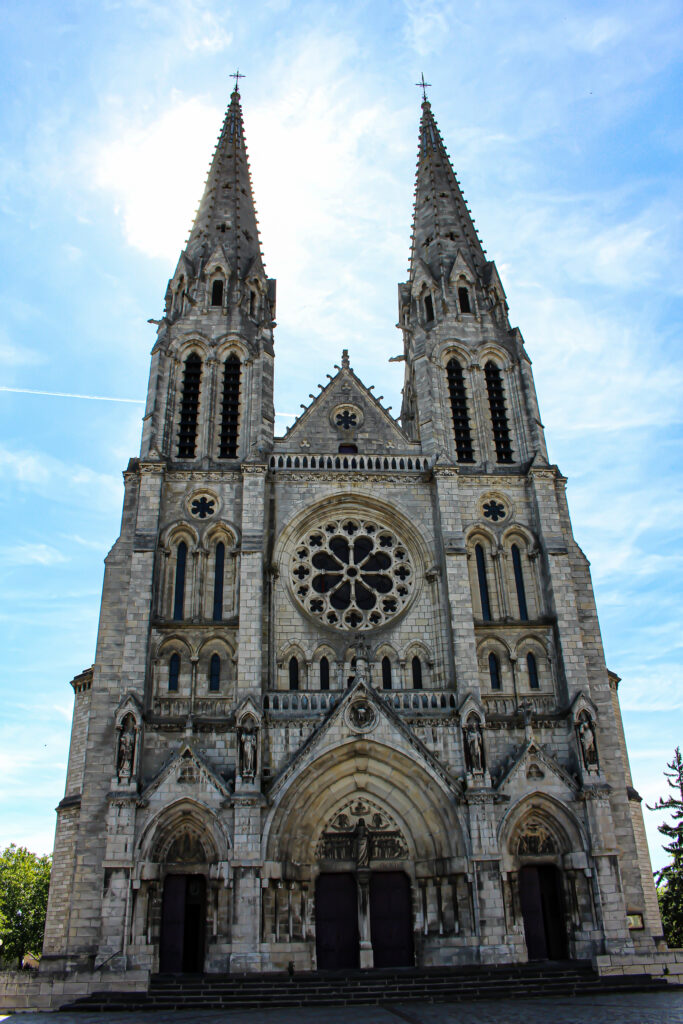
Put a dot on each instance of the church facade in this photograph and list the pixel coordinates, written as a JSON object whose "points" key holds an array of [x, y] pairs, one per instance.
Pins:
{"points": [[349, 705]]}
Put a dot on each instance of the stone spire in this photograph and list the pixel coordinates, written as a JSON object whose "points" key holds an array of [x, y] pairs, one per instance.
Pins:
{"points": [[442, 223], [226, 215]]}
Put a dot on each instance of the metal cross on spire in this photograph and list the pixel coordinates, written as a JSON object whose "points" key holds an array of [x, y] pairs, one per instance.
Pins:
{"points": [[424, 86], [236, 75]]}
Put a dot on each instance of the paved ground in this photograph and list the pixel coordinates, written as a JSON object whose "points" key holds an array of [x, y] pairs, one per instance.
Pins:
{"points": [[637, 1008]]}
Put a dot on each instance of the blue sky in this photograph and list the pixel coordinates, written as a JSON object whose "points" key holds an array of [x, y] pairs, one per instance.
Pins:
{"points": [[563, 122]]}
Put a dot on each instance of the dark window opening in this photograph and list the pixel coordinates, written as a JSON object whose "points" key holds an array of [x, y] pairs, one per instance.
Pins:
{"points": [[464, 300], [532, 669], [252, 303], [519, 582], [483, 583], [189, 407], [348, 449], [429, 308], [214, 674], [324, 674], [461, 419], [179, 588], [218, 574], [499, 418], [293, 674], [174, 672], [386, 674], [231, 408], [417, 673], [217, 292], [494, 672]]}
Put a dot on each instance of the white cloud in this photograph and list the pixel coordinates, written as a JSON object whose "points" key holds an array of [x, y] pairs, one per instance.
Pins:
{"points": [[61, 481], [31, 554]]}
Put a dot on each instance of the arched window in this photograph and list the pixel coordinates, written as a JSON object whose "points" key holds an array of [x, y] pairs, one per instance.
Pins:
{"points": [[483, 583], [173, 672], [214, 674], [499, 416], [253, 298], [519, 582], [532, 669], [416, 665], [324, 674], [293, 674], [386, 674], [429, 308], [461, 419], [494, 672], [231, 408], [189, 407], [464, 300], [218, 574], [217, 292], [179, 587]]}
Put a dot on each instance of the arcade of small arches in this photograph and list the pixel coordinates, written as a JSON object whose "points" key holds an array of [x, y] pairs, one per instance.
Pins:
{"points": [[198, 580], [328, 669], [460, 385], [200, 378], [181, 670]]}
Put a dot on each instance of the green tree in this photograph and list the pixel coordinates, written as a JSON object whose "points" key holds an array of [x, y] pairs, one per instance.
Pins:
{"points": [[24, 883], [669, 879]]}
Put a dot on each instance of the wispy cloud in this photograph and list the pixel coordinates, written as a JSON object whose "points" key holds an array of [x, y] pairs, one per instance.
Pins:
{"points": [[31, 554]]}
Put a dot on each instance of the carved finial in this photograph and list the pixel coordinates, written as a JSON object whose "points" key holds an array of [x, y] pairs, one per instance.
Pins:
{"points": [[345, 359]]}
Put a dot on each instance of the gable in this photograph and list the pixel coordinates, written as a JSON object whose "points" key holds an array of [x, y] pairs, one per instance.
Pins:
{"points": [[345, 413], [532, 769], [186, 775]]}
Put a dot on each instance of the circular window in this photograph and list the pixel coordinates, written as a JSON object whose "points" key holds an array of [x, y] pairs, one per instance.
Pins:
{"points": [[352, 573]]}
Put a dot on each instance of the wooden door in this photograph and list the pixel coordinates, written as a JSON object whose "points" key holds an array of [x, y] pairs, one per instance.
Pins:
{"points": [[336, 922], [391, 919], [541, 901], [183, 922]]}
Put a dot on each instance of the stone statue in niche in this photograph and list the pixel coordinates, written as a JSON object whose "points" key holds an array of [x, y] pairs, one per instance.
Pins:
{"points": [[589, 746], [248, 753], [362, 844], [125, 757], [475, 746]]}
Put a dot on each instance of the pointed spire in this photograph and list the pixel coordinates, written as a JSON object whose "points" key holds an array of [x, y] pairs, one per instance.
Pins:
{"points": [[442, 223], [226, 213]]}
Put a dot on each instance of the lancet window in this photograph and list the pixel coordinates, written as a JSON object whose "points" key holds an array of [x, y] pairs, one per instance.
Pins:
{"points": [[519, 582], [494, 672], [179, 583], [416, 670], [173, 672], [483, 583], [532, 669], [214, 674], [386, 673], [324, 669], [189, 407], [464, 300], [230, 408], [218, 576], [293, 673], [499, 417], [217, 292], [461, 419]]}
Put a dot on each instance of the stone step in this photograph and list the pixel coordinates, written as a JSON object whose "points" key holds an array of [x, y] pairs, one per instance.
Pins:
{"points": [[456, 984]]}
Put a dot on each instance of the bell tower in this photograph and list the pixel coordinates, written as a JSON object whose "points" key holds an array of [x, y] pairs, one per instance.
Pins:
{"points": [[210, 397]]}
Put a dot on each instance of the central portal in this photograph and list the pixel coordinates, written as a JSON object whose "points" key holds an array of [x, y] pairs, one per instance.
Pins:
{"points": [[540, 894], [183, 919], [337, 920]]}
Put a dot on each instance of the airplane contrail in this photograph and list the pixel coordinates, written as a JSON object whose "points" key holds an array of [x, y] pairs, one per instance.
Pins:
{"points": [[68, 394]]}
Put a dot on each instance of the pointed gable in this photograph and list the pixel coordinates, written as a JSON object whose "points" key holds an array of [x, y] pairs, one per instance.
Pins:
{"points": [[532, 768], [345, 413]]}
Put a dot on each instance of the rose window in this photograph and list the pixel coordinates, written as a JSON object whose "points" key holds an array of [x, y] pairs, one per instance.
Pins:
{"points": [[352, 573]]}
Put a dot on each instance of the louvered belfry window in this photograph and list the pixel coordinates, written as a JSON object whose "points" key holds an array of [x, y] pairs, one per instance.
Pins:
{"points": [[189, 407], [499, 416], [461, 419], [231, 408]]}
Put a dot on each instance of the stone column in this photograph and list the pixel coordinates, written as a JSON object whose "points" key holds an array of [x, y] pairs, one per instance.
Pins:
{"points": [[366, 953]]}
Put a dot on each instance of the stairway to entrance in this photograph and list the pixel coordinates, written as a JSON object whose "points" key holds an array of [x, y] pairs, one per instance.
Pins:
{"points": [[355, 987]]}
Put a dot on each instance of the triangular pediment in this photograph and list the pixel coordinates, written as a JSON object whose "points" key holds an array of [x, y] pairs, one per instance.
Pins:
{"points": [[461, 267], [531, 767], [183, 269], [187, 774], [345, 413], [218, 260], [362, 715], [422, 276]]}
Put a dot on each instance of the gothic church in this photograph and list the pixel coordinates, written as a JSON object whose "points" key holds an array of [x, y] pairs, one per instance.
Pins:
{"points": [[349, 705]]}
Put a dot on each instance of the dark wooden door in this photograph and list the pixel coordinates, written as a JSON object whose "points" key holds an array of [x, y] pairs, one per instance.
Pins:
{"points": [[540, 892], [336, 922], [391, 919], [183, 919]]}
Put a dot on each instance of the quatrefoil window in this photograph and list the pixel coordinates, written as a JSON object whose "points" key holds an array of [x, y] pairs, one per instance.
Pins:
{"points": [[352, 573]]}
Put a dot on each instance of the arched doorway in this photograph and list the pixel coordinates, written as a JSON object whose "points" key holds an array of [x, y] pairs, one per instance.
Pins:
{"points": [[540, 895], [183, 923]]}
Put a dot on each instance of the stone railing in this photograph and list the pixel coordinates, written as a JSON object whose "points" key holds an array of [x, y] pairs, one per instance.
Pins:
{"points": [[368, 463], [181, 707], [312, 701]]}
